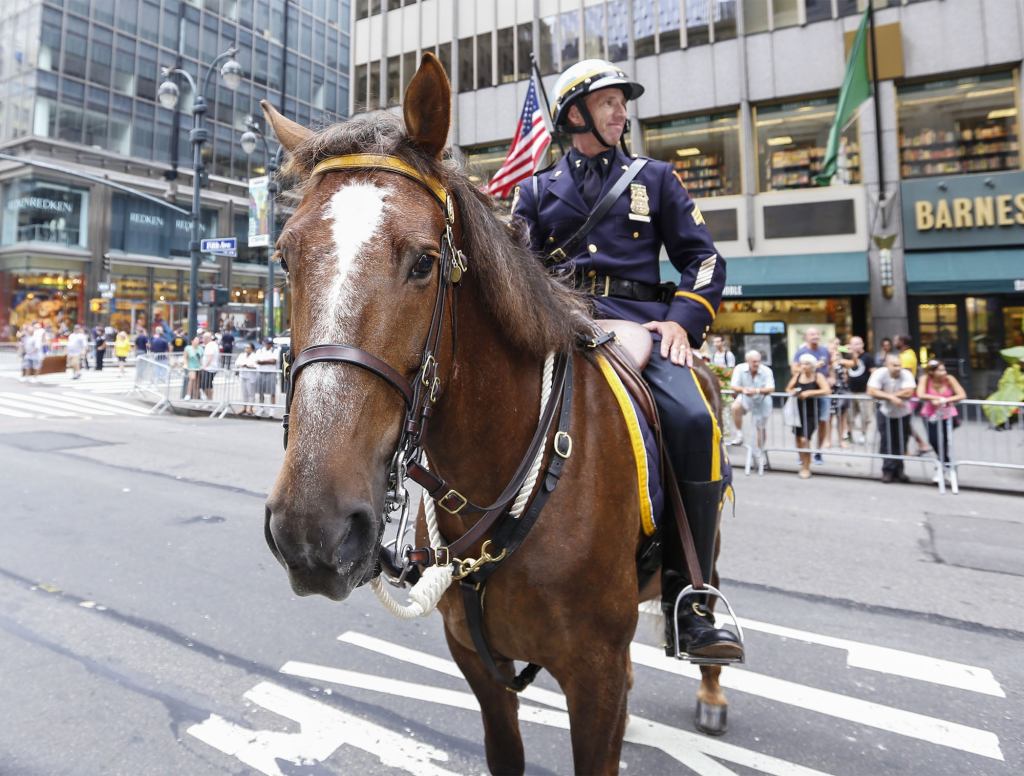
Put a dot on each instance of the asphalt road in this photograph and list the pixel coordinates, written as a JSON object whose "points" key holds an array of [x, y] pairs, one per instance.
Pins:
{"points": [[146, 629]]}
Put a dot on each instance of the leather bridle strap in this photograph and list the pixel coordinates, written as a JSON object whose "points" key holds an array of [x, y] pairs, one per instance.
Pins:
{"points": [[388, 163], [350, 355]]}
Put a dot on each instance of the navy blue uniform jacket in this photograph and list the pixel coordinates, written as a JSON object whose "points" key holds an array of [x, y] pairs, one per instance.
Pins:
{"points": [[628, 247]]}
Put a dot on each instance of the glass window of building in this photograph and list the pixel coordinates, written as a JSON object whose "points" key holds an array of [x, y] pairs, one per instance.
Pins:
{"points": [[785, 13], [408, 69], [697, 29], [644, 22], [755, 16], [725, 19], [49, 42], [569, 37], [965, 125], [506, 55], [444, 54], [41, 211], [547, 57], [704, 150], [362, 9], [593, 31], [394, 84], [524, 41], [101, 56], [791, 140], [74, 47], [817, 10], [483, 161], [466, 77], [359, 98], [374, 99], [484, 60], [618, 30]]}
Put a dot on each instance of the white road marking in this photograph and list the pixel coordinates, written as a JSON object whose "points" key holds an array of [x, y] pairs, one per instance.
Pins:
{"points": [[876, 715], [51, 400], [103, 402], [323, 730], [882, 659], [24, 403], [15, 413], [690, 749]]}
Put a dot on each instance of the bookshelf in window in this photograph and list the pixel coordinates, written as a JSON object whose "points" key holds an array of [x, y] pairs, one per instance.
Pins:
{"points": [[703, 175], [976, 148]]}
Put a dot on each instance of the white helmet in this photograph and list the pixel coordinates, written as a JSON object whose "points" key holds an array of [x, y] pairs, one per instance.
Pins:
{"points": [[582, 79]]}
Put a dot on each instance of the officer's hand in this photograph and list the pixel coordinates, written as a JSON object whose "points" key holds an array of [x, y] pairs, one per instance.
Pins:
{"points": [[675, 344]]}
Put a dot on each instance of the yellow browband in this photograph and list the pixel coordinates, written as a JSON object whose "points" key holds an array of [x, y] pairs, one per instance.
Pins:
{"points": [[389, 163]]}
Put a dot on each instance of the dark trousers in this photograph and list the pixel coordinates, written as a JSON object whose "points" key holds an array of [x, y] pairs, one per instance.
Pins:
{"points": [[893, 436], [686, 422], [938, 438], [100, 352]]}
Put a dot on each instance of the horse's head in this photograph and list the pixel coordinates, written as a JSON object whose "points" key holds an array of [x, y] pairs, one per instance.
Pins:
{"points": [[362, 252]]}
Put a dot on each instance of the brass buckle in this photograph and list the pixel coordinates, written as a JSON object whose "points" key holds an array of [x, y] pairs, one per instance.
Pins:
{"points": [[563, 436], [429, 364], [435, 390], [442, 556], [557, 255], [472, 565], [452, 497]]}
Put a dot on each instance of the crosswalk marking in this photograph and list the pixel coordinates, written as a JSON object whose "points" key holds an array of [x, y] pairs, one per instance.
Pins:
{"points": [[877, 715], [103, 401], [44, 410], [48, 404], [690, 749], [885, 660], [15, 413], [50, 400]]}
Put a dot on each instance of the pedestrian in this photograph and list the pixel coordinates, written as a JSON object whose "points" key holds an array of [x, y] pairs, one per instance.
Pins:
{"points": [[266, 364], [812, 345], [809, 386], [210, 365], [100, 347], [938, 391], [193, 363], [753, 383], [76, 347], [859, 366], [31, 352], [122, 349], [721, 356], [158, 345], [893, 385], [246, 368], [908, 360], [141, 342], [884, 349], [227, 343], [839, 406], [178, 343]]}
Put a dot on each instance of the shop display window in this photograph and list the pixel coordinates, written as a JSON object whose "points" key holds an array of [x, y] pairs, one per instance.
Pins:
{"points": [[53, 299], [959, 125], [791, 140], [704, 150], [41, 211]]}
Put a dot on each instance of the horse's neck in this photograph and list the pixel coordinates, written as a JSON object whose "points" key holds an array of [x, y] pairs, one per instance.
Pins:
{"points": [[489, 407]]}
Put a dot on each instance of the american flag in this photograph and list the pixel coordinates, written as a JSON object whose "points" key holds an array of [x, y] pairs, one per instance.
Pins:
{"points": [[531, 140]]}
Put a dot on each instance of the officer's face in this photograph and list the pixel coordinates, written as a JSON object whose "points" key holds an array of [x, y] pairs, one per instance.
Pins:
{"points": [[608, 110]]}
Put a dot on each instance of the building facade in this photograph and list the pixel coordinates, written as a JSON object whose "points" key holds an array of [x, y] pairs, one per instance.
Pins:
{"points": [[78, 91], [740, 98]]}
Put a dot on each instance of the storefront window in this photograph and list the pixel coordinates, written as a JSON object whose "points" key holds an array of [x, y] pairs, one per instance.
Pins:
{"points": [[704, 150], [958, 125], [40, 211], [143, 227], [791, 142], [483, 161], [53, 299], [131, 302]]}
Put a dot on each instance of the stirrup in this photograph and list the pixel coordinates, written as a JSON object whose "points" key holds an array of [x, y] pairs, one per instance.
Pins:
{"points": [[696, 659]]}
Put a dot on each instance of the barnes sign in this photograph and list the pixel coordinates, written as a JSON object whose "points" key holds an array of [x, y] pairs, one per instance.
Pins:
{"points": [[964, 211]]}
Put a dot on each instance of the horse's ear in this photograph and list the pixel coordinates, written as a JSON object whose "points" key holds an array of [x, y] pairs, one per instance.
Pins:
{"points": [[428, 106], [289, 134]]}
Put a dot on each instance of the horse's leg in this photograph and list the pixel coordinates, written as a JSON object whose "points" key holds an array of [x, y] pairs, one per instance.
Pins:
{"points": [[499, 708], [596, 689], [712, 707]]}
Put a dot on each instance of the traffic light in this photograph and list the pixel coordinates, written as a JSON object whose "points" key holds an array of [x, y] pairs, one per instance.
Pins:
{"points": [[220, 295]]}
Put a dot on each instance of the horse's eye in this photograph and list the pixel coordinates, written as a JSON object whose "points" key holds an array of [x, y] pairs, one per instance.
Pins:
{"points": [[279, 256], [424, 263]]}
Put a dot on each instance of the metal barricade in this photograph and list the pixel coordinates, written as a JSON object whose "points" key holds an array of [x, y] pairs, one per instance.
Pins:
{"points": [[258, 390], [987, 435], [152, 380]]}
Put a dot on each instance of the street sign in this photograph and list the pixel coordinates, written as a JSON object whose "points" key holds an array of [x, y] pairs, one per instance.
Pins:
{"points": [[106, 294], [220, 246], [106, 287]]}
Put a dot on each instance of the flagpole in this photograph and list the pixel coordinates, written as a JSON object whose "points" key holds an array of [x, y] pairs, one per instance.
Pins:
{"points": [[547, 104], [878, 118]]}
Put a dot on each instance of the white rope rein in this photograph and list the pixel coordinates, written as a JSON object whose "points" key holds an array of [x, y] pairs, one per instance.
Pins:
{"points": [[425, 594]]}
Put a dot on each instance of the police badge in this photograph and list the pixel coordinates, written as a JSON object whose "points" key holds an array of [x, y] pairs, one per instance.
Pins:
{"points": [[639, 204]]}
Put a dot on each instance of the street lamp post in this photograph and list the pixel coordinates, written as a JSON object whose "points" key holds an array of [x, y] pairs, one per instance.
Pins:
{"points": [[231, 72], [271, 162]]}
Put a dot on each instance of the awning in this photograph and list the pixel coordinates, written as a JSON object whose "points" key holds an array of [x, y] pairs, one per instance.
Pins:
{"points": [[965, 272], [782, 277]]}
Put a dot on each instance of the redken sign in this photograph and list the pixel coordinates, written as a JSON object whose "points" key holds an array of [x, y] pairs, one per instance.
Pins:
{"points": [[142, 227], [964, 211]]}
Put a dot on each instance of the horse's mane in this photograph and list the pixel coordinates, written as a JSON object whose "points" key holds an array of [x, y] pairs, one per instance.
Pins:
{"points": [[535, 311]]}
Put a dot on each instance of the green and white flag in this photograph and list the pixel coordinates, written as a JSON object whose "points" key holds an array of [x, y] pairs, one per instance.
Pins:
{"points": [[856, 89]]}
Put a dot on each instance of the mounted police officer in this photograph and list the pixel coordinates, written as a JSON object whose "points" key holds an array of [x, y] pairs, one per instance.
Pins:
{"points": [[615, 260]]}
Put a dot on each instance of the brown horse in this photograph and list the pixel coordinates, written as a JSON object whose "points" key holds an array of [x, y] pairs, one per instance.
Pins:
{"points": [[363, 254]]}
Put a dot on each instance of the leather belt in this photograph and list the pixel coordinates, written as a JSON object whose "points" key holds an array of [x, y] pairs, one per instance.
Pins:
{"points": [[595, 284]]}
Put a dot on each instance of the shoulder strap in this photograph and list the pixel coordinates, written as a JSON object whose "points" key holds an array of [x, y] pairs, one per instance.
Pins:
{"points": [[566, 249]]}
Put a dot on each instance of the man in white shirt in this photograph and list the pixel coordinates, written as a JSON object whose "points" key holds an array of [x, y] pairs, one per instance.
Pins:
{"points": [[753, 383], [32, 339], [266, 366], [893, 386], [211, 360], [720, 356], [77, 343]]}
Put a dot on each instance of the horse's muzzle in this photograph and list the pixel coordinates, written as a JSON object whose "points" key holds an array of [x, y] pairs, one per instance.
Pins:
{"points": [[324, 555]]}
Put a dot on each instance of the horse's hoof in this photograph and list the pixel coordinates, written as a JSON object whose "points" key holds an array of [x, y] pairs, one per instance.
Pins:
{"points": [[711, 719]]}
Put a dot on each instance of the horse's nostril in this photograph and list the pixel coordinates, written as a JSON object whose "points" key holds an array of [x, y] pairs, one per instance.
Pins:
{"points": [[358, 533]]}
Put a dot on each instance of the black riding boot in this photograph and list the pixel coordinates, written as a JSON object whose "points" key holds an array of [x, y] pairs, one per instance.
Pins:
{"points": [[698, 635]]}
